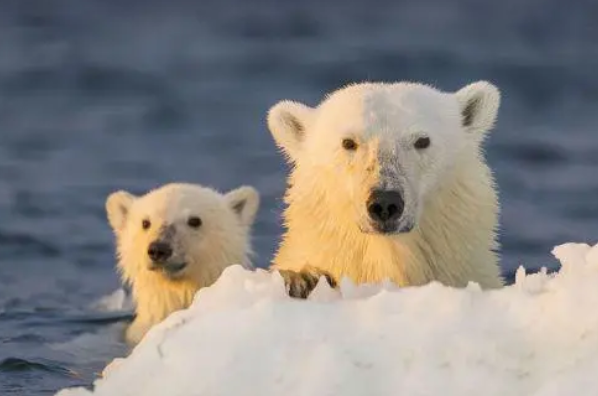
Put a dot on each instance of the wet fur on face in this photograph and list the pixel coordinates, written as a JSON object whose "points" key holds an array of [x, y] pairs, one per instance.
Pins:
{"points": [[414, 149]]}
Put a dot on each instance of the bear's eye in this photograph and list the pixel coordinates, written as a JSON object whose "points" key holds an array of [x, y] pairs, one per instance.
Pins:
{"points": [[194, 222], [349, 144], [145, 224], [422, 143]]}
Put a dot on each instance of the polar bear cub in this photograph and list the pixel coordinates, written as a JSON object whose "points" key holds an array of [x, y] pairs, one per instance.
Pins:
{"points": [[175, 240]]}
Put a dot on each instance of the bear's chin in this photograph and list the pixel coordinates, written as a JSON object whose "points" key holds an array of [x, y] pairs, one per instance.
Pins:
{"points": [[171, 271], [387, 229]]}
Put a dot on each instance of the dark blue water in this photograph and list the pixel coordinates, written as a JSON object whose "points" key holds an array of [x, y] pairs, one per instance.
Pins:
{"points": [[102, 95]]}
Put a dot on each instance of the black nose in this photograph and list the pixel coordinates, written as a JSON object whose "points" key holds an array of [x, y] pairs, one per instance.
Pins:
{"points": [[385, 205], [159, 251]]}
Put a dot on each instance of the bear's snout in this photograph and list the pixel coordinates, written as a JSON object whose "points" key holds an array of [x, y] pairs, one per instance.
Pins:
{"points": [[385, 207], [159, 251]]}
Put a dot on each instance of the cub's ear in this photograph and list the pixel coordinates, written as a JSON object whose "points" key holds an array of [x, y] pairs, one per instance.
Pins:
{"points": [[478, 103], [117, 208], [288, 122], [244, 201]]}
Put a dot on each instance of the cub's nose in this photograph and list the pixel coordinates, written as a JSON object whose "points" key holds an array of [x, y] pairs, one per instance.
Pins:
{"points": [[159, 251], [385, 205]]}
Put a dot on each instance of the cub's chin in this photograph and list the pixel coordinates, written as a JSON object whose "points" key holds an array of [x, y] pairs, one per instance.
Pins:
{"points": [[171, 270]]}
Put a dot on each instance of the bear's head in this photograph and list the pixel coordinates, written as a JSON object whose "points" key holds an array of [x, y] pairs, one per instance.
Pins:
{"points": [[381, 150], [182, 231]]}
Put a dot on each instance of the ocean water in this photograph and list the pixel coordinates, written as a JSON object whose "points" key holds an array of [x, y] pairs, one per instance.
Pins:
{"points": [[97, 96]]}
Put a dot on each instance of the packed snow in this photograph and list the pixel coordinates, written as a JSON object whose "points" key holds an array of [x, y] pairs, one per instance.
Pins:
{"points": [[244, 336]]}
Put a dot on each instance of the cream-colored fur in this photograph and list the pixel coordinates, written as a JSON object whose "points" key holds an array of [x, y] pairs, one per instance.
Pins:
{"points": [[449, 192], [222, 239]]}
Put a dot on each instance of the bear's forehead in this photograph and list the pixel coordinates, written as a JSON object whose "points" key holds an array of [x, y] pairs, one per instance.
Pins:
{"points": [[400, 107], [180, 202]]}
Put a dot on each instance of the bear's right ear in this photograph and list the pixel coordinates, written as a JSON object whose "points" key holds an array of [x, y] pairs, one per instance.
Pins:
{"points": [[244, 201], [288, 122], [117, 208], [479, 103]]}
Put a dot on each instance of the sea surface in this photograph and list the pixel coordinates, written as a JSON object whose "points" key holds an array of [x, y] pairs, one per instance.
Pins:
{"points": [[97, 96]]}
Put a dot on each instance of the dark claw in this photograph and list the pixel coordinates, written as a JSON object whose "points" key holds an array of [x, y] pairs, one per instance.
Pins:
{"points": [[301, 284]]}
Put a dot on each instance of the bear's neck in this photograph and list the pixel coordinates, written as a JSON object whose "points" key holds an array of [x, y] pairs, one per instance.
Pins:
{"points": [[156, 297], [453, 243]]}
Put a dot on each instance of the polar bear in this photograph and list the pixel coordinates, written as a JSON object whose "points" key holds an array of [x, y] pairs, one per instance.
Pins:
{"points": [[389, 182], [175, 240]]}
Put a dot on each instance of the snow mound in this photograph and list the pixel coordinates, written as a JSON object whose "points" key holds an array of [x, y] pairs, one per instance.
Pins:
{"points": [[243, 336]]}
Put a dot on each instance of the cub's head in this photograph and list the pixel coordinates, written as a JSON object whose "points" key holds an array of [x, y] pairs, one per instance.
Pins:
{"points": [[375, 152], [182, 231]]}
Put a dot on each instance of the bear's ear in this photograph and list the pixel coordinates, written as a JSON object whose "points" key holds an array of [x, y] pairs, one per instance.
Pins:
{"points": [[117, 208], [244, 201], [478, 103], [288, 122]]}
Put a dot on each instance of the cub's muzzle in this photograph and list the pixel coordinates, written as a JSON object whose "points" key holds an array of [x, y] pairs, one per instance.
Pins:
{"points": [[159, 251]]}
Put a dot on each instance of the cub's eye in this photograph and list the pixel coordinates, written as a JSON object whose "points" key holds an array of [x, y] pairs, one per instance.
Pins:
{"points": [[145, 224], [349, 144], [422, 143], [194, 222]]}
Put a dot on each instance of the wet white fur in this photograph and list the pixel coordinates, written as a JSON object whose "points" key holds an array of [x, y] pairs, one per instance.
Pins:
{"points": [[449, 190], [222, 240]]}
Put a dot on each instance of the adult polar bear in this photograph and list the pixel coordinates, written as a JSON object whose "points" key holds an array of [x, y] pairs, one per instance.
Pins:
{"points": [[389, 181]]}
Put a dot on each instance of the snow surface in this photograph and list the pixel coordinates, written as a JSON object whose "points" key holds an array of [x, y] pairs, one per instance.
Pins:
{"points": [[244, 336]]}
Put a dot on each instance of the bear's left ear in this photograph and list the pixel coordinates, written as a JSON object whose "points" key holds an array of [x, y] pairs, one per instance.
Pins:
{"points": [[244, 201], [118, 205], [478, 103], [288, 122]]}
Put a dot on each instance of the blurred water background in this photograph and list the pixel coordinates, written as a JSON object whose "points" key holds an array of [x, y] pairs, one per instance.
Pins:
{"points": [[103, 95]]}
